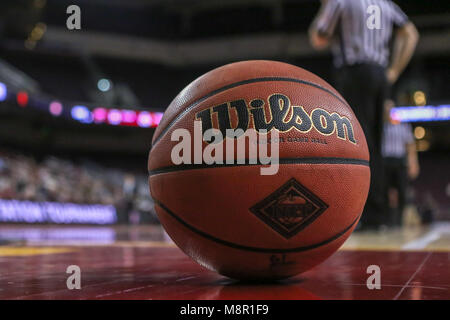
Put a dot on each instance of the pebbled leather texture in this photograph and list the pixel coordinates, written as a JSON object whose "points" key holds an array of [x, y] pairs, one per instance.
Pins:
{"points": [[207, 210]]}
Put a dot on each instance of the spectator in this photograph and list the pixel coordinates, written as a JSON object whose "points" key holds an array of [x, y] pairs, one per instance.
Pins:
{"points": [[58, 180]]}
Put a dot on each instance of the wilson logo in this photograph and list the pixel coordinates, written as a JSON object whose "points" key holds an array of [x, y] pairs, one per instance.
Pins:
{"points": [[281, 116]]}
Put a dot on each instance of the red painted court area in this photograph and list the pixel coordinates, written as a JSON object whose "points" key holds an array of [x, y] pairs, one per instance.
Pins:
{"points": [[158, 270]]}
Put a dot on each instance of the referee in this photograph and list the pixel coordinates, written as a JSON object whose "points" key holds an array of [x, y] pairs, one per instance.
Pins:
{"points": [[360, 33], [400, 164]]}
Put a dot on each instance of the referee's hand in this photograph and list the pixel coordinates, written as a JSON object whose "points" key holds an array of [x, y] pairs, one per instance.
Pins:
{"points": [[392, 75], [413, 171], [412, 161]]}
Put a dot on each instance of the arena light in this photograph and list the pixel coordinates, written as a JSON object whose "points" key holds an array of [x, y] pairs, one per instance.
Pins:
{"points": [[145, 119], [100, 115], [114, 117], [419, 132], [38, 32], [55, 108], [129, 117], [104, 85], [81, 113], [22, 99], [3, 91], [89, 114], [419, 114], [419, 98]]}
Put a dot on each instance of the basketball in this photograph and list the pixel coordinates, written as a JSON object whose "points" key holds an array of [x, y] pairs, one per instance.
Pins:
{"points": [[231, 218], [171, 158]]}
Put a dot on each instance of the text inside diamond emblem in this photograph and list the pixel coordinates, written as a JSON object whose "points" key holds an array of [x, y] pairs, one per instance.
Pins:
{"points": [[289, 209]]}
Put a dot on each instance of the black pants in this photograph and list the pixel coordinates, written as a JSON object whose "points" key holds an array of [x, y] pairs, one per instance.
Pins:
{"points": [[364, 86], [396, 176]]}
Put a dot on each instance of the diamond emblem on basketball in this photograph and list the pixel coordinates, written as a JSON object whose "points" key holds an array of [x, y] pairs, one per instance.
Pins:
{"points": [[289, 209], [228, 216]]}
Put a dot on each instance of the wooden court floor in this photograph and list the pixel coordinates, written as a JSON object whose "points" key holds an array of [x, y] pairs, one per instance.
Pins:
{"points": [[142, 263]]}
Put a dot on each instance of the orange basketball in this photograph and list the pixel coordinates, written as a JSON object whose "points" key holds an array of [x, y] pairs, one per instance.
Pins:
{"points": [[228, 216]]}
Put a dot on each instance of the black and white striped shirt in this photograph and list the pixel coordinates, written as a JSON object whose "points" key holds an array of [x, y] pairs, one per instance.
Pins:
{"points": [[361, 29], [395, 139]]}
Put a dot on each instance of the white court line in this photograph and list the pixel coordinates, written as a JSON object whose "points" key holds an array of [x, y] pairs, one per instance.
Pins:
{"points": [[434, 234], [396, 285], [186, 278], [122, 291], [412, 277]]}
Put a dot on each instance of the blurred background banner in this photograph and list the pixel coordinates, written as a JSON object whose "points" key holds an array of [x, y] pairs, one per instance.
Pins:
{"points": [[48, 212], [78, 108]]}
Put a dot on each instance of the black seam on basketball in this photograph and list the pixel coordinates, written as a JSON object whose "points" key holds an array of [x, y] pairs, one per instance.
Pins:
{"points": [[324, 160], [254, 249], [237, 84]]}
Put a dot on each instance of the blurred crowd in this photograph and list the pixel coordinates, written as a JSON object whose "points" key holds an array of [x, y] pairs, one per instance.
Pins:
{"points": [[58, 180]]}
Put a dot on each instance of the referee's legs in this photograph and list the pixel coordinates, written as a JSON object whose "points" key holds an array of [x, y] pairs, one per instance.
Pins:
{"points": [[364, 88]]}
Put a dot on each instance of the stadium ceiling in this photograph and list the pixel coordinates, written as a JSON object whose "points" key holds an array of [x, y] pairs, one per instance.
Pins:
{"points": [[206, 51], [195, 32]]}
